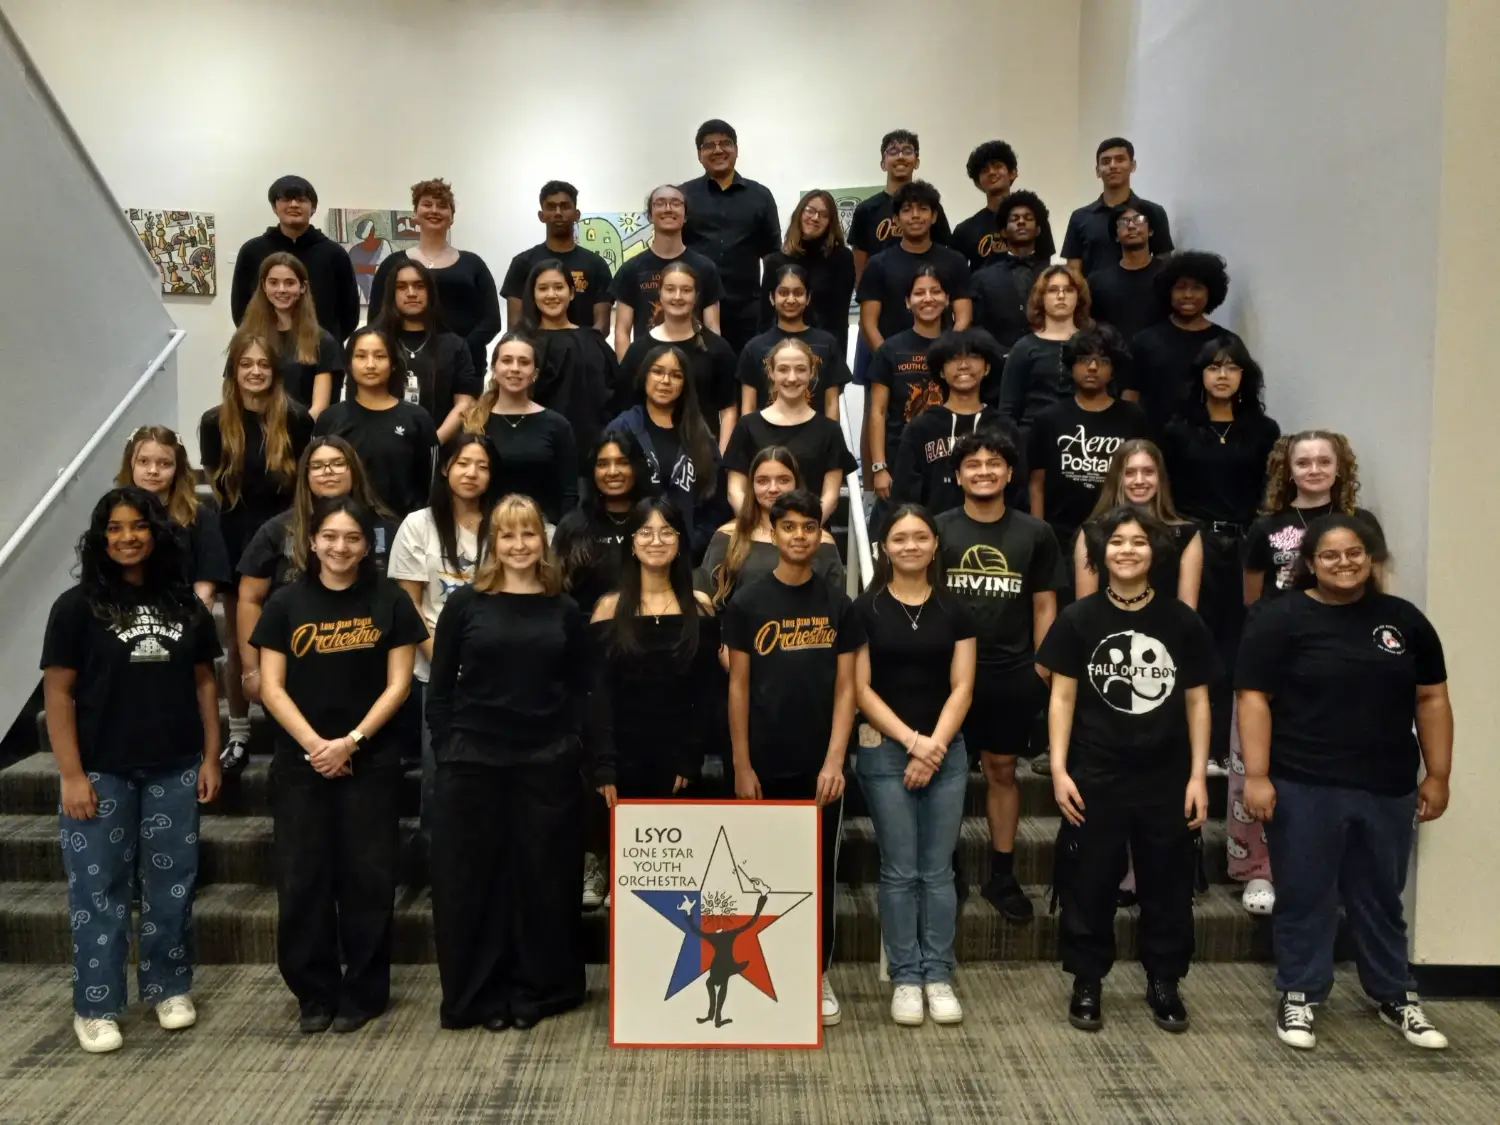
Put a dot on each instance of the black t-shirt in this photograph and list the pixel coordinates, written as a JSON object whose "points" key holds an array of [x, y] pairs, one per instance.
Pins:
{"points": [[833, 371], [888, 277], [1130, 727], [298, 377], [1166, 566], [1161, 367], [817, 444], [205, 557], [1343, 684], [590, 279], [471, 309], [911, 652], [981, 239], [1034, 379], [336, 644], [900, 364], [1126, 299], [396, 446], [873, 227], [638, 281], [794, 635], [1091, 238], [923, 472], [1274, 543], [136, 692], [261, 494], [711, 368], [1073, 447], [269, 552], [538, 458], [1001, 292], [439, 366], [994, 569], [591, 551], [576, 375], [830, 282], [1217, 480]]}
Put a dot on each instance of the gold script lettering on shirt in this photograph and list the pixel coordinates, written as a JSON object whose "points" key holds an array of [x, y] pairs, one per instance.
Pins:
{"points": [[335, 636], [791, 633]]}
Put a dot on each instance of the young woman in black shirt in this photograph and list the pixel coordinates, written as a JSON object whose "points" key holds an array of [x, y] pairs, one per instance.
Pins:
{"points": [[901, 386], [657, 643], [538, 453], [505, 706], [395, 438], [1035, 376], [914, 680], [1128, 726], [790, 420], [815, 241], [133, 720], [791, 291], [156, 460], [248, 445], [337, 649], [440, 373], [590, 541], [1343, 699], [576, 367], [281, 312]]}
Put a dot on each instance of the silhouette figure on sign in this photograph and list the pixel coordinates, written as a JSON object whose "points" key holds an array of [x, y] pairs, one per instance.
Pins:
{"points": [[722, 966]]}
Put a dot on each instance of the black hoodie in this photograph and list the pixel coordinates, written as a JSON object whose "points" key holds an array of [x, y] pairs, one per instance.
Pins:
{"points": [[924, 472], [330, 274]]}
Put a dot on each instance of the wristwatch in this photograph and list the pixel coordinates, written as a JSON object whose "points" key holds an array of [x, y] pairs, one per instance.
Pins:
{"points": [[357, 737], [879, 467]]}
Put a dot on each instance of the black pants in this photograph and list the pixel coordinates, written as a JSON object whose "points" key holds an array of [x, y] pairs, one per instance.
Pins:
{"points": [[336, 846], [507, 876], [1091, 862], [804, 787], [1221, 603]]}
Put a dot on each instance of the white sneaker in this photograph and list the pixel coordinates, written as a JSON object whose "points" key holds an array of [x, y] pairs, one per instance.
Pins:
{"points": [[176, 1012], [97, 1037], [608, 901], [1259, 897], [906, 1005], [832, 1013], [942, 1004], [593, 881], [1408, 1019]]}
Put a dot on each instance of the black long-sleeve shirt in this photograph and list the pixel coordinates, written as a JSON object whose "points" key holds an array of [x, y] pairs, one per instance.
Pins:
{"points": [[1218, 469], [467, 292], [330, 276], [1034, 378], [261, 494], [538, 458], [510, 675], [1001, 290], [735, 227]]}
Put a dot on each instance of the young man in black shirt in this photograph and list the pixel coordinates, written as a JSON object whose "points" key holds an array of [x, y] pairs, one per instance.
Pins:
{"points": [[1003, 287], [876, 224], [792, 642], [1189, 286], [330, 273], [886, 280], [1089, 244], [993, 169], [1121, 292], [559, 213], [732, 221], [638, 281], [1006, 567]]}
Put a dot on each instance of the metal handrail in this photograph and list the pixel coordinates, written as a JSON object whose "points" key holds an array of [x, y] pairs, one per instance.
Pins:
{"points": [[859, 532], [69, 472]]}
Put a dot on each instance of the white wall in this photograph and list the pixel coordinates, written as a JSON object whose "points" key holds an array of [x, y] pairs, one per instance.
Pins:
{"points": [[188, 104]]}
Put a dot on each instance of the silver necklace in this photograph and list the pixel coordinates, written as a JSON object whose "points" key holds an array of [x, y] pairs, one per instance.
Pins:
{"points": [[519, 419], [1225, 434], [913, 620], [412, 354]]}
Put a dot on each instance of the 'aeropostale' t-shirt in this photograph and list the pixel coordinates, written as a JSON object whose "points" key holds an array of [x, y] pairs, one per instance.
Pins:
{"points": [[994, 569], [1072, 447], [1133, 667], [794, 636]]}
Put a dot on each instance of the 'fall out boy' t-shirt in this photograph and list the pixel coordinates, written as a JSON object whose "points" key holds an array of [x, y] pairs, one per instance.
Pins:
{"points": [[1274, 543], [336, 644], [1130, 728], [135, 695], [1072, 447], [794, 635], [994, 569]]}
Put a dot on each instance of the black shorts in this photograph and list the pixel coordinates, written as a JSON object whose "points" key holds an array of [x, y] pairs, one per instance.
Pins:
{"points": [[1004, 711]]}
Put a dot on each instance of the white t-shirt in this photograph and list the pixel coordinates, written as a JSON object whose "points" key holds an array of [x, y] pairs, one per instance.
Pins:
{"points": [[417, 556]]}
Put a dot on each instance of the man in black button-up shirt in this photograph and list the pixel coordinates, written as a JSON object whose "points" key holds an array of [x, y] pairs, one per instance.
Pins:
{"points": [[733, 222], [1090, 242]]}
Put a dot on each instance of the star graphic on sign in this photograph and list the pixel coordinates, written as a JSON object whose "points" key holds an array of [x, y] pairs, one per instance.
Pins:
{"points": [[726, 899]]}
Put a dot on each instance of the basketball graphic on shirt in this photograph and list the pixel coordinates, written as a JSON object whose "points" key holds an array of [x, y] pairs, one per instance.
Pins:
{"points": [[1132, 672]]}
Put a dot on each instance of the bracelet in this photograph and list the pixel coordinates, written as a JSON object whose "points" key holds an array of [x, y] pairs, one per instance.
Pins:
{"points": [[247, 675], [910, 745]]}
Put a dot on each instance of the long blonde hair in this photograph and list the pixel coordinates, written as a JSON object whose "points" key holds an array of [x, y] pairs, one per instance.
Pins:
{"points": [[260, 315], [747, 519], [478, 414], [1112, 491], [511, 512], [182, 497], [1281, 490], [227, 477]]}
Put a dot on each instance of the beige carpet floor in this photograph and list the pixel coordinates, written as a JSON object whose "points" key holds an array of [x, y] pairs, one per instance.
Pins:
{"points": [[1014, 1059]]}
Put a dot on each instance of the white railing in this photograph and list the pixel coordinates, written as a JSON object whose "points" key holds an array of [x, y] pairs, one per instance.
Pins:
{"points": [[861, 559], [69, 472]]}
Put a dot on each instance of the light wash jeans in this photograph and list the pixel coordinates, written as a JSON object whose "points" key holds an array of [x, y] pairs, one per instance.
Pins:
{"points": [[917, 830]]}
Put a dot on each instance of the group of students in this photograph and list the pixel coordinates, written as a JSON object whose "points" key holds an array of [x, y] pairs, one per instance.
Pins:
{"points": [[525, 580]]}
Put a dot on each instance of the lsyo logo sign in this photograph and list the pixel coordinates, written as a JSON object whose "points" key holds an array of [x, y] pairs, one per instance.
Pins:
{"points": [[714, 924]]}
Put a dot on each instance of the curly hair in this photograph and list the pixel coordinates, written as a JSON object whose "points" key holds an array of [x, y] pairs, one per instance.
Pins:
{"points": [[1036, 312], [1281, 490], [919, 193], [1101, 340], [989, 153], [1028, 199], [440, 190], [1207, 269], [164, 585]]}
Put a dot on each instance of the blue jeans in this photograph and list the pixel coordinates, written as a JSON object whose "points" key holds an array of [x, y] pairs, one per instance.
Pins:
{"points": [[157, 811], [917, 830], [1327, 844]]}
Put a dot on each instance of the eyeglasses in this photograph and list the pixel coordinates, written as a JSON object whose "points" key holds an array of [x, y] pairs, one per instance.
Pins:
{"points": [[666, 536], [1060, 290], [1131, 221], [716, 146], [814, 213], [669, 204], [901, 150], [335, 465], [1349, 554]]}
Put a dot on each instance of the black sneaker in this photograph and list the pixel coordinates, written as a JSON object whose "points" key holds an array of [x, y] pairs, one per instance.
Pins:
{"points": [[1407, 1018], [314, 1019], [1086, 1009], [235, 756], [1294, 1020], [1004, 893], [1166, 1005]]}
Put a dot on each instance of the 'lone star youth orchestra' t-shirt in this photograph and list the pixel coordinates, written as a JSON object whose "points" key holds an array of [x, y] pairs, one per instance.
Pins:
{"points": [[794, 635], [639, 281]]}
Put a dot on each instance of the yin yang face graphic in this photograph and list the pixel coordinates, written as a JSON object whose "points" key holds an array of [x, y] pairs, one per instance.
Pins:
{"points": [[1132, 672]]}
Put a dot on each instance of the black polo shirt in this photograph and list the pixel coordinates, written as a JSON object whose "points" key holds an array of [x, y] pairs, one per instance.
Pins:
{"points": [[735, 227], [1091, 235]]}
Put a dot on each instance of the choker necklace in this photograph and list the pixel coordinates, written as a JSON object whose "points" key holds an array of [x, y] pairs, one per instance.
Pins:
{"points": [[1118, 600], [916, 619]]}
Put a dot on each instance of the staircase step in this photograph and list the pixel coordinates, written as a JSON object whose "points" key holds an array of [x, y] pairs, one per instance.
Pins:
{"points": [[236, 923]]}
